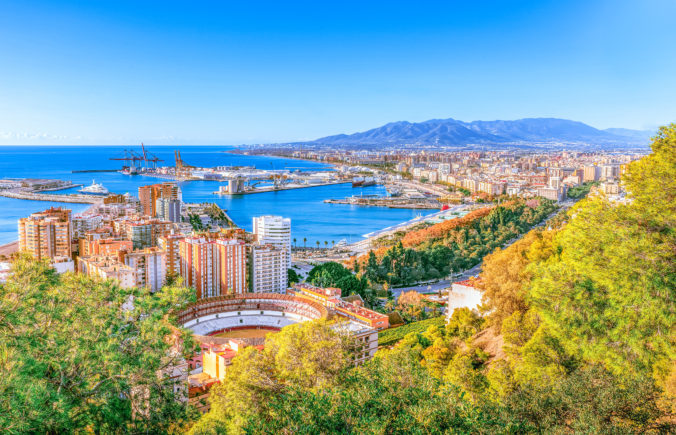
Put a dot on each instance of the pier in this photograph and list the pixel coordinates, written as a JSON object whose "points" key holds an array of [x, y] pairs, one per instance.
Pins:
{"points": [[387, 201], [276, 188], [33, 196]]}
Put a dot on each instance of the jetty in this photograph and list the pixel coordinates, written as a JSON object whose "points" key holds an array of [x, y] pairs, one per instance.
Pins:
{"points": [[74, 198], [387, 201]]}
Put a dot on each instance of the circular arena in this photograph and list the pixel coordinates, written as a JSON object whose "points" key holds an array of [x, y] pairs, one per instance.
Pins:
{"points": [[248, 310]]}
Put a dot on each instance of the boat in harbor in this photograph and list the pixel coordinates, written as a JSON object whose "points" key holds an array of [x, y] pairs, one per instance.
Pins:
{"points": [[368, 181], [94, 189], [357, 182]]}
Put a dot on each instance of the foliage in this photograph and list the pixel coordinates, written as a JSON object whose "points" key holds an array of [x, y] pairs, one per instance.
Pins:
{"points": [[577, 192], [504, 277], [332, 274], [464, 323], [453, 245], [196, 222], [305, 356], [609, 285], [77, 356], [391, 336], [292, 277]]}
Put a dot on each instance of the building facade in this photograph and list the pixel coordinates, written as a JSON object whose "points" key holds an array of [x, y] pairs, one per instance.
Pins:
{"points": [[269, 271], [275, 231], [47, 234], [148, 196]]}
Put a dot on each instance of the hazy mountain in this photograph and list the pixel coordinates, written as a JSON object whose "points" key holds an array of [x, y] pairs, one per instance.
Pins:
{"points": [[521, 132]]}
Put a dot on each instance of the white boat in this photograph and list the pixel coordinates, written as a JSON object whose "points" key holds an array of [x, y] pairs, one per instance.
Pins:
{"points": [[94, 189]]}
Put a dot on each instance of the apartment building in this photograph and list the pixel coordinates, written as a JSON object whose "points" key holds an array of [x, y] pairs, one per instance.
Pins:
{"points": [[148, 196], [108, 267], [275, 231], [213, 267], [47, 234], [268, 269], [150, 265]]}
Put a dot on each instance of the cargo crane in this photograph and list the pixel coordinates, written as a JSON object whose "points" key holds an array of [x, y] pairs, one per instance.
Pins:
{"points": [[149, 157], [131, 158], [182, 168]]}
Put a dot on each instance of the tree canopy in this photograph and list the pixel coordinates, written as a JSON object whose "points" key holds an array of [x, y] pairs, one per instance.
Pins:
{"points": [[76, 355]]}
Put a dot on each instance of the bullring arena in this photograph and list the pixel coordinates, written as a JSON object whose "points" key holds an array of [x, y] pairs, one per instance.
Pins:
{"points": [[269, 311]]}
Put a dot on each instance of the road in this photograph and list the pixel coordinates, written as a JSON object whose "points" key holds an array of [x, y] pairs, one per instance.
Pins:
{"points": [[439, 285]]}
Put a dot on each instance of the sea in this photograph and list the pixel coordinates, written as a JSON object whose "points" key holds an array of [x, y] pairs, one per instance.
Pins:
{"points": [[311, 218]]}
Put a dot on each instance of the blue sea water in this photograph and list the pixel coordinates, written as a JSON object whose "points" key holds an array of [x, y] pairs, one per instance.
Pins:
{"points": [[310, 217]]}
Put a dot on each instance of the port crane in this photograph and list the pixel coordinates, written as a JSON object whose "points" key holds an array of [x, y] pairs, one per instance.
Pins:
{"points": [[182, 168], [131, 158]]}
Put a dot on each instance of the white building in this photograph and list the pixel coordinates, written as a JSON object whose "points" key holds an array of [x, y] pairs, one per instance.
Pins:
{"points": [[84, 223], [168, 209], [463, 294], [269, 269], [151, 267], [275, 231]]}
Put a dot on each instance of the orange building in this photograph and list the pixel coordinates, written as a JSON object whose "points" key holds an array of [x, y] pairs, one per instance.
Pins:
{"points": [[47, 234], [148, 196], [330, 297], [213, 267], [108, 246]]}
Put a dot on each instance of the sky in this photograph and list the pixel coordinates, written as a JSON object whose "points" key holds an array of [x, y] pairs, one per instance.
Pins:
{"points": [[235, 72]]}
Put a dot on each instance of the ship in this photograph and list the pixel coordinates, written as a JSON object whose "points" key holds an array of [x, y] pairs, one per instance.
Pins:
{"points": [[94, 189], [369, 181], [357, 182]]}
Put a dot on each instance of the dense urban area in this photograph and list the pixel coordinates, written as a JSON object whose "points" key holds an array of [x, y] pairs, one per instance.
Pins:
{"points": [[538, 297]]}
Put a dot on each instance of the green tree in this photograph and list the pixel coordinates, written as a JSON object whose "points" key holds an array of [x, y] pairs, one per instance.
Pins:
{"points": [[77, 356], [608, 286], [292, 277]]}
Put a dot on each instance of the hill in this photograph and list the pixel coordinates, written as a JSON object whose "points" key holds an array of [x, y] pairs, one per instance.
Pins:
{"points": [[538, 132]]}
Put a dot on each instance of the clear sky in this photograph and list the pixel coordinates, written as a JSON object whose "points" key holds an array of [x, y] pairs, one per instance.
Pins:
{"points": [[231, 72]]}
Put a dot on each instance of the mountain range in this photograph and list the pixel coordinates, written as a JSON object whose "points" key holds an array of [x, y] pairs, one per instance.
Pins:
{"points": [[535, 132]]}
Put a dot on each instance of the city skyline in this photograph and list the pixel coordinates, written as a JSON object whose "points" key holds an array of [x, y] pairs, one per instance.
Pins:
{"points": [[230, 74]]}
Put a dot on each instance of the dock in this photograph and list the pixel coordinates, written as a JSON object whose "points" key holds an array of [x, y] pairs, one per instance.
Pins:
{"points": [[279, 188], [83, 171], [387, 201], [33, 196]]}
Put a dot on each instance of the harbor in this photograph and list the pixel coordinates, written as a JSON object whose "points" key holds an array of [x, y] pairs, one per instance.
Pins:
{"points": [[312, 218]]}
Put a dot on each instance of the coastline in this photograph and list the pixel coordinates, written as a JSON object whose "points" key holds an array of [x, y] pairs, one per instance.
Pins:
{"points": [[9, 248]]}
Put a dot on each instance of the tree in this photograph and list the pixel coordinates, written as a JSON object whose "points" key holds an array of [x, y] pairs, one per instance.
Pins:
{"points": [[504, 275], [464, 323], [304, 242], [326, 244], [304, 357], [608, 286], [294, 242], [77, 356], [292, 277], [317, 244], [412, 305]]}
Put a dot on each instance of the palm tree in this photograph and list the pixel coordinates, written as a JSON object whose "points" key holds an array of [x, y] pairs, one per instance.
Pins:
{"points": [[333, 243], [317, 244], [304, 241], [294, 242], [326, 244]]}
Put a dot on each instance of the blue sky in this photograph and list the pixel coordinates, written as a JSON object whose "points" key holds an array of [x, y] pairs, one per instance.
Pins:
{"points": [[230, 72]]}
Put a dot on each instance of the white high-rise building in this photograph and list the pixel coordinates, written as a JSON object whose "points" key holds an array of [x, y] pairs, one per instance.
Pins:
{"points": [[268, 269], [275, 231]]}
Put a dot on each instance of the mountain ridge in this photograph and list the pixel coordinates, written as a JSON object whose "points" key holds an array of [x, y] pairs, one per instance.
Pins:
{"points": [[452, 132]]}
